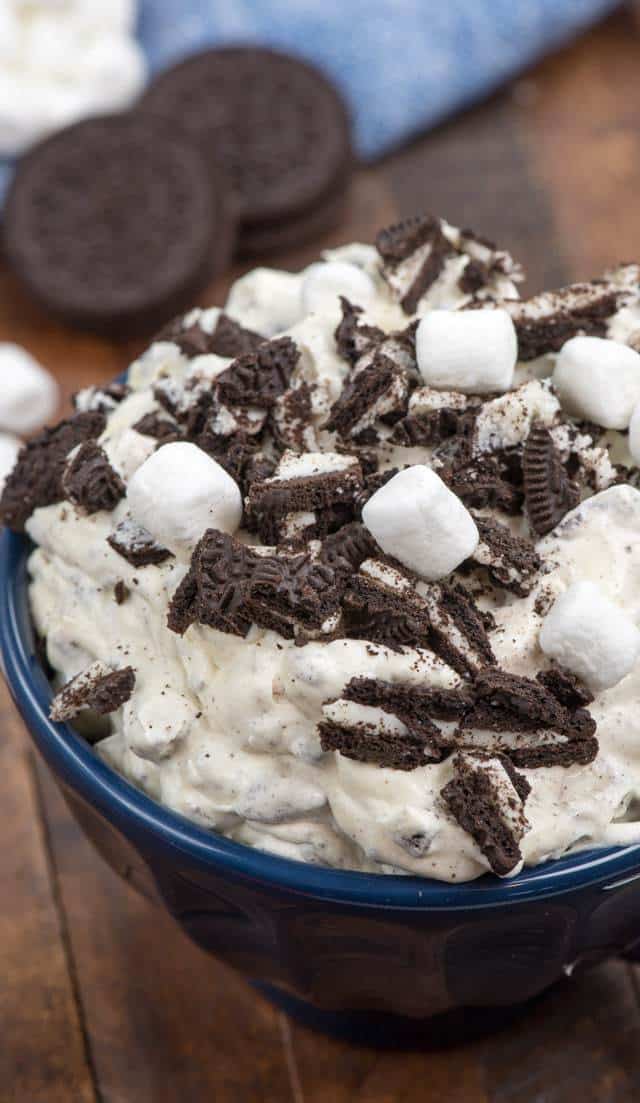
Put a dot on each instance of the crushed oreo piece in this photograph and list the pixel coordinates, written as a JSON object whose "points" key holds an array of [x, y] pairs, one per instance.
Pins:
{"points": [[258, 378], [89, 480], [457, 632], [291, 419], [98, 688], [512, 561], [307, 482], [120, 592], [297, 596], [544, 323], [230, 339], [353, 337], [36, 479], [380, 605], [432, 426], [549, 492], [136, 545], [370, 734], [347, 549], [103, 399], [213, 592], [566, 687], [486, 796], [485, 483], [378, 391], [158, 427], [522, 718], [413, 253]]}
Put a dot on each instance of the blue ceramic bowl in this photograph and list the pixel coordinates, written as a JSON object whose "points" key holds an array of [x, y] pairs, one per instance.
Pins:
{"points": [[345, 949]]}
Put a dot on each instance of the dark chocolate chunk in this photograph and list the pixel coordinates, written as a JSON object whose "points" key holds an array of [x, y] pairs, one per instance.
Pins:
{"points": [[117, 222], [512, 561], [98, 688], [549, 492], [259, 378], [486, 796], [158, 427], [36, 479], [89, 480], [136, 545]]}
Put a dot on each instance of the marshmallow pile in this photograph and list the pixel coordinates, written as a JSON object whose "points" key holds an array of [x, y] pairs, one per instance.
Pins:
{"points": [[62, 60], [28, 399]]}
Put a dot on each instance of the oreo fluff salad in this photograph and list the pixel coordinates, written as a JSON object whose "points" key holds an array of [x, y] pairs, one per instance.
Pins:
{"points": [[349, 570]]}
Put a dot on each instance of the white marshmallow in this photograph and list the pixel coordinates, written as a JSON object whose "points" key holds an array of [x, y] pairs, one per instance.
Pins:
{"points": [[265, 300], [418, 520], [179, 492], [28, 393], [473, 351], [634, 435], [325, 281], [64, 61], [599, 380], [589, 635], [9, 448]]}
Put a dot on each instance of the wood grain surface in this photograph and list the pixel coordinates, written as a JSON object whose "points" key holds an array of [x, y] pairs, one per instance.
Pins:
{"points": [[102, 1000]]}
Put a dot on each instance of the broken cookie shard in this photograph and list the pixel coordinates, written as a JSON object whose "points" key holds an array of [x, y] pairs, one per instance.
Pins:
{"points": [[487, 797], [99, 688]]}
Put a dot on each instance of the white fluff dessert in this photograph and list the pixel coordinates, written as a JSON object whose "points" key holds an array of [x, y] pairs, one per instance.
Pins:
{"points": [[351, 579]]}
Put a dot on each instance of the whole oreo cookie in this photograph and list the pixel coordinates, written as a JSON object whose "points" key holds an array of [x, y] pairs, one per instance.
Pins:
{"points": [[276, 125], [117, 222]]}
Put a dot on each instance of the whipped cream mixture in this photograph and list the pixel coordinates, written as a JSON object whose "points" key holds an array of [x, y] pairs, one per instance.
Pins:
{"points": [[250, 724]]}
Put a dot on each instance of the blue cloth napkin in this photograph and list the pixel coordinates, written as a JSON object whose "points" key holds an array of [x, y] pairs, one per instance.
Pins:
{"points": [[403, 65]]}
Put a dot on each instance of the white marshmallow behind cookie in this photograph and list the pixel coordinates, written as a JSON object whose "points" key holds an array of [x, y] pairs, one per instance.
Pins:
{"points": [[179, 492], [599, 380], [28, 393], [592, 637]]}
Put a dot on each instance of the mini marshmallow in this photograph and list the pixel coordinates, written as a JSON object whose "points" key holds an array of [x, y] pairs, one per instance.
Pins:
{"points": [[418, 520], [265, 300], [325, 281], [179, 492], [589, 635], [9, 448], [28, 394], [634, 435], [599, 380], [473, 351]]}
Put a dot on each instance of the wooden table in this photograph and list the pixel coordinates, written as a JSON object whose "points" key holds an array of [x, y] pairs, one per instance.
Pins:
{"points": [[101, 999]]}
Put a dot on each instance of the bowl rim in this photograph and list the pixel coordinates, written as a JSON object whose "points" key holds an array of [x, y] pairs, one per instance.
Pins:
{"points": [[130, 808]]}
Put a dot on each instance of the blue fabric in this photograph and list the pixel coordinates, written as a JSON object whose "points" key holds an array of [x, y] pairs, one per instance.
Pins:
{"points": [[403, 65]]}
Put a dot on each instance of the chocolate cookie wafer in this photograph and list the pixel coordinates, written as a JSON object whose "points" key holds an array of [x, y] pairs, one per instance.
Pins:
{"points": [[117, 222], [276, 125]]}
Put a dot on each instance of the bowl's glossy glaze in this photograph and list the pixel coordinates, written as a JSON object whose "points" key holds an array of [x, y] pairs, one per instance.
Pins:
{"points": [[341, 942]]}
